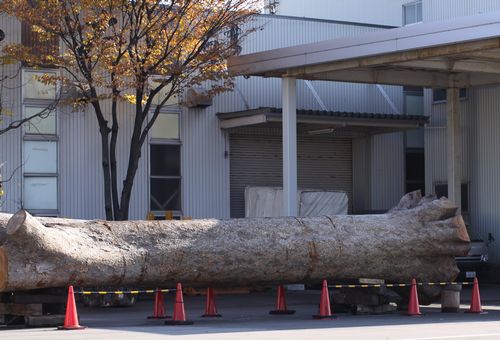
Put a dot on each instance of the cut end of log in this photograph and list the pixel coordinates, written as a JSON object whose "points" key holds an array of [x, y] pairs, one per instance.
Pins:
{"points": [[3, 270], [16, 221]]}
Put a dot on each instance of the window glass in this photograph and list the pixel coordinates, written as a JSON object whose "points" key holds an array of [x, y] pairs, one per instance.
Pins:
{"points": [[173, 100], [35, 89], [40, 125], [439, 95], [166, 126], [165, 160], [412, 13], [40, 157], [165, 194], [40, 193]]}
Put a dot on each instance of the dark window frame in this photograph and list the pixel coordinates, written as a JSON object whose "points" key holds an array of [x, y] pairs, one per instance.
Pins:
{"points": [[463, 95], [465, 206]]}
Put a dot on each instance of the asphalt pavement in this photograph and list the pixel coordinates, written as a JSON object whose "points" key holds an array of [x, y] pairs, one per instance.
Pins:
{"points": [[246, 316]]}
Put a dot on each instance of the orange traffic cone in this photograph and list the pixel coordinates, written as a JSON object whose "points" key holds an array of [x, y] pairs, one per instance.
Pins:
{"points": [[71, 318], [281, 303], [324, 305], [159, 307], [475, 304], [413, 305], [179, 313], [210, 306]]}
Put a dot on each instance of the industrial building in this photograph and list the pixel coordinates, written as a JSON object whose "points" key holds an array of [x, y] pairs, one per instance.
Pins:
{"points": [[373, 130]]}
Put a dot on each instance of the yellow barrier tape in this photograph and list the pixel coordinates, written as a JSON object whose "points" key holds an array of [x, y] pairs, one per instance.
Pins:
{"points": [[147, 291], [391, 285]]}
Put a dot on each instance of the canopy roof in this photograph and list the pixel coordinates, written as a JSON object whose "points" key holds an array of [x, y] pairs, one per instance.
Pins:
{"points": [[456, 53], [371, 123]]}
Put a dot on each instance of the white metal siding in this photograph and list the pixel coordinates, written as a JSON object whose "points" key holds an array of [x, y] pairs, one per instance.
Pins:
{"points": [[434, 10], [205, 169], [485, 162], [388, 164], [323, 163], [385, 12], [81, 174], [10, 143]]}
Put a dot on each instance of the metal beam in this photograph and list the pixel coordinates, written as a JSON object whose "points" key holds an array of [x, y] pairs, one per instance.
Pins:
{"points": [[453, 66], [453, 145], [289, 91], [393, 57], [400, 76], [243, 121]]}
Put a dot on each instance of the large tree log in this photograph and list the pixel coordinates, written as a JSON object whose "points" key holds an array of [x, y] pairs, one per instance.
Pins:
{"points": [[419, 238]]}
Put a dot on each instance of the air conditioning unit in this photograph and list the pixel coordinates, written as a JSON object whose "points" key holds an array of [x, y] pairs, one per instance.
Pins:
{"points": [[197, 98]]}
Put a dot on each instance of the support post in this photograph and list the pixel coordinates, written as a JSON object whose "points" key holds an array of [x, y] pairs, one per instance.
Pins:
{"points": [[289, 140], [453, 145]]}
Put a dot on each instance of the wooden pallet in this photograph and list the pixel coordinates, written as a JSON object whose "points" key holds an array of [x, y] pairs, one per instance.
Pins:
{"points": [[35, 308]]}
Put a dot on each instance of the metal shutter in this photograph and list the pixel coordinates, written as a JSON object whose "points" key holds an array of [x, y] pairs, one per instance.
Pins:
{"points": [[324, 162]]}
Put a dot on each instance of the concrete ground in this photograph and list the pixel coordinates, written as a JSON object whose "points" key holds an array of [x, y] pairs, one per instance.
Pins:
{"points": [[246, 317]]}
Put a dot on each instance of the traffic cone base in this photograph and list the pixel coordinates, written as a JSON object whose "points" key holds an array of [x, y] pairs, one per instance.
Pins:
{"points": [[475, 304], [211, 316], [324, 317], [159, 317], [178, 322], [413, 304], [282, 312], [159, 307], [179, 312], [281, 308], [70, 328], [481, 312], [210, 306], [71, 321], [325, 312]]}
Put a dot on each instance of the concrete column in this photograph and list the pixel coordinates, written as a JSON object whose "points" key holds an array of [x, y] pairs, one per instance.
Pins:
{"points": [[289, 87], [453, 145]]}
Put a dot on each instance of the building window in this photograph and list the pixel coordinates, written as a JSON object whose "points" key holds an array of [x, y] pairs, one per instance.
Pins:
{"points": [[165, 178], [40, 194], [441, 189], [439, 95], [43, 125], [154, 82], [412, 13], [40, 145], [413, 100], [36, 89], [166, 126]]}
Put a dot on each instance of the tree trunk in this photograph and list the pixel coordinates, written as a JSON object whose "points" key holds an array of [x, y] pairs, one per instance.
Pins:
{"points": [[418, 238]]}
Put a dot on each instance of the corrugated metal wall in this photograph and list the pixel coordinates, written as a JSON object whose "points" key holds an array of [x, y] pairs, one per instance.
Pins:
{"points": [[10, 143], [434, 10], [388, 164], [485, 164], [81, 179], [480, 140], [205, 165]]}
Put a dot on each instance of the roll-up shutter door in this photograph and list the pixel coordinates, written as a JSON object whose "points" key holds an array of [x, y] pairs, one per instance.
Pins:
{"points": [[324, 163]]}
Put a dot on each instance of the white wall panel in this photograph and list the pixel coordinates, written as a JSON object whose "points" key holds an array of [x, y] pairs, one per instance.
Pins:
{"points": [[10, 143]]}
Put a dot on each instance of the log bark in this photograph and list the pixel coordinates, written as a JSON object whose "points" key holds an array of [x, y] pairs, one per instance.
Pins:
{"points": [[418, 238]]}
